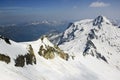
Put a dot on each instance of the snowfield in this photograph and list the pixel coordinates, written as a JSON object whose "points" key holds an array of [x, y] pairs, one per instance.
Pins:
{"points": [[93, 42]]}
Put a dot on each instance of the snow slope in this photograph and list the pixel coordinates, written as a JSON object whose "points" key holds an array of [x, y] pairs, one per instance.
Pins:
{"points": [[54, 36], [95, 42], [81, 65], [52, 69], [11, 48]]}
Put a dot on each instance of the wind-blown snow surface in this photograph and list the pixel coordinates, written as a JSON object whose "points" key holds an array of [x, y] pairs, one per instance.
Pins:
{"points": [[55, 69], [92, 39], [79, 68]]}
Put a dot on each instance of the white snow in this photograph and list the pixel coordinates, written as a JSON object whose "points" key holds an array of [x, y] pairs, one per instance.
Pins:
{"points": [[107, 44], [13, 50], [81, 68]]}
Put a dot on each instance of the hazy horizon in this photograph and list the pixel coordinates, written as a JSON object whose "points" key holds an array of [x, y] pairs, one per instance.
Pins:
{"points": [[12, 11]]}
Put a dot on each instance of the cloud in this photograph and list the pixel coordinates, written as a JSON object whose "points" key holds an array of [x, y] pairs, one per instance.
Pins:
{"points": [[99, 4]]}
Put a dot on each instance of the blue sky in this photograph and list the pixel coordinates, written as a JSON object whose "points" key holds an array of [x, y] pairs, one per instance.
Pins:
{"points": [[29, 10]]}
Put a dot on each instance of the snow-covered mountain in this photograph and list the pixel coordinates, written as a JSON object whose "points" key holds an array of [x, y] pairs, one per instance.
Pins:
{"points": [[21, 54], [54, 36], [89, 49], [36, 60], [96, 39], [15, 53]]}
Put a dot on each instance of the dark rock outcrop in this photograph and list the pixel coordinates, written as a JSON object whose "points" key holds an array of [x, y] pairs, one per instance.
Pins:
{"points": [[49, 52], [27, 59], [4, 58], [5, 39]]}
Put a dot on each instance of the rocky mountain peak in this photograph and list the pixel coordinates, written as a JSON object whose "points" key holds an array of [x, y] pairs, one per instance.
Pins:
{"points": [[99, 20], [96, 37]]}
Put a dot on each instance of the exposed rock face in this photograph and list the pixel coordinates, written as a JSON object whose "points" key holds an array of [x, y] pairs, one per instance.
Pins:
{"points": [[49, 52], [70, 36], [31, 56], [90, 46], [64, 56], [61, 53], [99, 56], [4, 58], [22, 55], [20, 61], [27, 59], [5, 39], [92, 37], [98, 21]]}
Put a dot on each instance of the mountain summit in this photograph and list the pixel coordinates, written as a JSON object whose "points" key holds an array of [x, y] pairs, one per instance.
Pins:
{"points": [[95, 42], [99, 20], [96, 37], [88, 49], [76, 29]]}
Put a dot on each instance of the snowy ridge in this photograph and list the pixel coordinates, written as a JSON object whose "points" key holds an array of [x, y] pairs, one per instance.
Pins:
{"points": [[99, 20], [54, 36], [12, 48], [93, 53], [94, 39], [97, 37], [44, 69], [40, 42], [22, 54], [16, 54]]}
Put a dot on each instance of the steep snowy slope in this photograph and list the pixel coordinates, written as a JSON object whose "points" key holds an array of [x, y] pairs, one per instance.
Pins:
{"points": [[54, 36], [43, 47], [91, 51], [45, 68], [15, 53], [96, 42]]}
